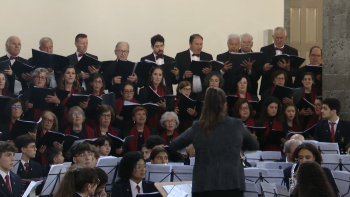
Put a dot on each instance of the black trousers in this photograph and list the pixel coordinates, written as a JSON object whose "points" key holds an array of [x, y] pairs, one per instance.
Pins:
{"points": [[219, 193]]}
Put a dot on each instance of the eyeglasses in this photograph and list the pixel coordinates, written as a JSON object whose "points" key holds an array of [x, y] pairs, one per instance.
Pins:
{"points": [[121, 51], [244, 108], [242, 82], [187, 89], [170, 121], [84, 155], [97, 82], [214, 80], [77, 114], [106, 115], [128, 92], [49, 120], [280, 78], [2, 79], [16, 106], [138, 167], [40, 77]]}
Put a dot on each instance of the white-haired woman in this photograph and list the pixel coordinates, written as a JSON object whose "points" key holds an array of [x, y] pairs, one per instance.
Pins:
{"points": [[169, 122]]}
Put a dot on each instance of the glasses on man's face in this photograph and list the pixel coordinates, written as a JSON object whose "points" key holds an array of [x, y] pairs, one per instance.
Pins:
{"points": [[77, 114], [106, 115], [97, 82], [16, 106], [244, 108], [138, 167], [187, 89], [122, 51], [170, 121], [40, 77], [48, 120], [129, 91], [2, 79], [85, 155]]}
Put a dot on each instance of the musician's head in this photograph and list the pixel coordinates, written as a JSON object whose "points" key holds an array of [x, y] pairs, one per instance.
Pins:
{"points": [[103, 177], [122, 51], [103, 144], [82, 43], [307, 152], [26, 145], [7, 156], [54, 156], [330, 108], [157, 44], [133, 167], [82, 154], [159, 156], [196, 43], [279, 36], [289, 148], [154, 141]]}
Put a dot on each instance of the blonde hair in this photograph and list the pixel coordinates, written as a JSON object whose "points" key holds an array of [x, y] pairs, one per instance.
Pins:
{"points": [[70, 112], [55, 123]]}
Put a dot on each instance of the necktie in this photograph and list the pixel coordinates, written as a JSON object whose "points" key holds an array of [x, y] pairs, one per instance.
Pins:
{"points": [[281, 49], [332, 131], [138, 189], [8, 183], [13, 58], [195, 55], [27, 167], [159, 56], [80, 55]]}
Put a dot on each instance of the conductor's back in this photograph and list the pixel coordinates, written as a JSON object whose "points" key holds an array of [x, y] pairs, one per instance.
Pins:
{"points": [[218, 140]]}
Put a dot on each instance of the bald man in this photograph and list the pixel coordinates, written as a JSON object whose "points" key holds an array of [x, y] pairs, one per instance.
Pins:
{"points": [[297, 137], [13, 47]]}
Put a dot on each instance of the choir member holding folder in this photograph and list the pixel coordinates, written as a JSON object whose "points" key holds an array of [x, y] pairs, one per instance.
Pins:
{"points": [[278, 79], [317, 115], [105, 117], [185, 107], [279, 47], [95, 90], [272, 120], [127, 91], [215, 80], [68, 85], [170, 122], [4, 84], [76, 117], [13, 111], [140, 130], [6, 87], [243, 110], [155, 86]]}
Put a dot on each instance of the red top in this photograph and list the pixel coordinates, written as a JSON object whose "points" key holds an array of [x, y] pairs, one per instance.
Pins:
{"points": [[247, 96], [134, 141]]}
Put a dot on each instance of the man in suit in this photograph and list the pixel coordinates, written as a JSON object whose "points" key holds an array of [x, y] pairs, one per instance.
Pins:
{"points": [[316, 59], [81, 42], [332, 128], [278, 47], [157, 45], [11, 184], [13, 48], [46, 45], [27, 168], [288, 149], [185, 58]]}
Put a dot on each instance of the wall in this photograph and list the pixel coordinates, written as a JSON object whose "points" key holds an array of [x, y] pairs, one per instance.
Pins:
{"points": [[108, 21], [336, 47]]}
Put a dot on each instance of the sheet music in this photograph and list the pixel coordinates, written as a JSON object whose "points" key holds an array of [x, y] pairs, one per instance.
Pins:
{"points": [[18, 157], [273, 165], [331, 161], [184, 172], [342, 181], [192, 161], [250, 189], [253, 174], [187, 188], [271, 155], [31, 188], [275, 176], [108, 164], [270, 189], [55, 175], [157, 172], [329, 148]]}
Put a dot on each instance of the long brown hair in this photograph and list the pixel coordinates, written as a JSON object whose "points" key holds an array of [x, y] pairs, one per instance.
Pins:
{"points": [[296, 116], [6, 87], [214, 110], [76, 85], [75, 180], [150, 83], [312, 181]]}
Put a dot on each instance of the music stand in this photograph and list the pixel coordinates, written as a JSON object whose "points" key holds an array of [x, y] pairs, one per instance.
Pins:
{"points": [[110, 165], [18, 157], [342, 180], [53, 179]]}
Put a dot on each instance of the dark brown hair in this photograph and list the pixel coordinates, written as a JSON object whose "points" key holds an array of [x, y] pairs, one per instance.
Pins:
{"points": [[193, 36], [80, 36], [238, 104], [5, 90], [296, 116], [312, 181], [7, 147], [150, 83], [105, 108], [268, 101], [214, 110], [182, 84], [279, 72], [92, 79], [315, 47], [76, 85], [315, 152]]}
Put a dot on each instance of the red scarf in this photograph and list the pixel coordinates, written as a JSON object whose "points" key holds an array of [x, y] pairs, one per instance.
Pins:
{"points": [[250, 122], [110, 130], [134, 141], [295, 128], [247, 96], [313, 96], [155, 121], [11, 125], [44, 161], [177, 102], [314, 120], [64, 121], [120, 102], [89, 131], [165, 136], [275, 126], [273, 89]]}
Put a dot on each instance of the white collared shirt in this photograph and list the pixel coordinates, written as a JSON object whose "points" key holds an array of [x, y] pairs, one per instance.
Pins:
{"points": [[159, 61], [196, 83], [18, 85], [77, 53], [53, 83], [83, 81], [335, 126], [278, 52], [134, 190], [23, 162], [3, 175], [9, 56]]}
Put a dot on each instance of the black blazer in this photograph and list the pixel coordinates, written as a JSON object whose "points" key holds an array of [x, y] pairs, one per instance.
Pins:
{"points": [[328, 173], [269, 52], [73, 60], [183, 60], [5, 129], [16, 186], [230, 75], [11, 79], [342, 136], [169, 80], [34, 171], [122, 188]]}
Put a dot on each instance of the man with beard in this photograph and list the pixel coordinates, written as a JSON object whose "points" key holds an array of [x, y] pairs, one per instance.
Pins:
{"points": [[157, 45]]}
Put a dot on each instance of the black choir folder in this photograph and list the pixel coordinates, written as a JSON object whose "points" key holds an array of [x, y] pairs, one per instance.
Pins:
{"points": [[19, 68], [75, 99], [196, 67], [47, 60], [306, 133], [37, 98], [275, 136], [259, 131], [238, 58], [155, 98], [126, 111], [3, 104], [21, 127], [304, 104], [62, 94], [105, 99], [185, 103], [124, 69], [87, 61], [51, 136], [316, 70], [118, 142], [282, 92], [295, 61], [153, 194], [4, 65], [142, 70]]}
